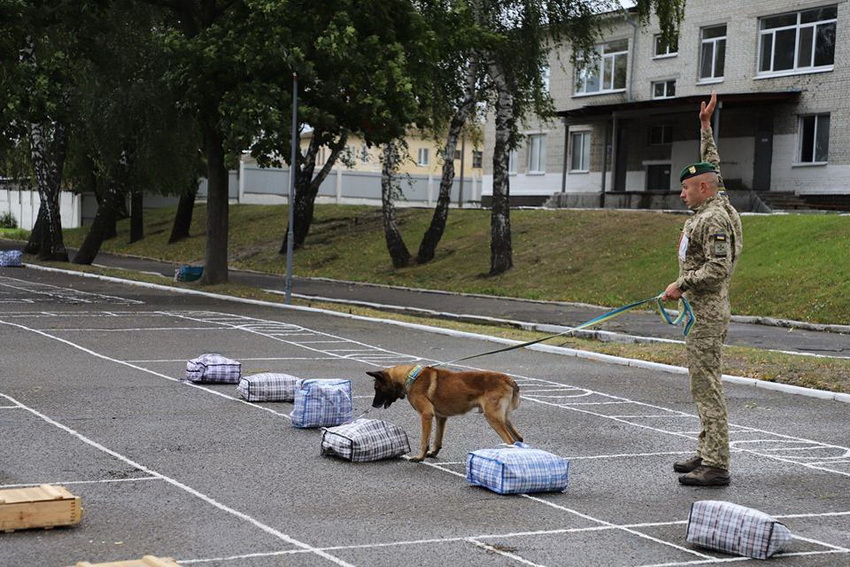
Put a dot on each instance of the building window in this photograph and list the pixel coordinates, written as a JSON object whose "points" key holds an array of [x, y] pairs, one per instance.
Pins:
{"points": [[814, 138], [712, 60], [660, 134], [665, 49], [580, 151], [457, 154], [537, 153], [477, 158], [512, 162], [607, 71], [544, 78], [798, 42], [423, 159], [664, 89], [364, 153]]}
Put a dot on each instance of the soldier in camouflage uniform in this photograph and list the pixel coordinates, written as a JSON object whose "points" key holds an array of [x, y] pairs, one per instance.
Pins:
{"points": [[709, 248]]}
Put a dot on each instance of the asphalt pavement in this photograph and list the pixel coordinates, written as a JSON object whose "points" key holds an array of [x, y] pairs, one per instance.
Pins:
{"points": [[93, 398]]}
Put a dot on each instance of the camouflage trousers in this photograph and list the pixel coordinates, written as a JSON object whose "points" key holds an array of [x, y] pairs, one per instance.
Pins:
{"points": [[704, 366]]}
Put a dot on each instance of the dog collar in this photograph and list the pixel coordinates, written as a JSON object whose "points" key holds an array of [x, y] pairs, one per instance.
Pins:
{"points": [[412, 376]]}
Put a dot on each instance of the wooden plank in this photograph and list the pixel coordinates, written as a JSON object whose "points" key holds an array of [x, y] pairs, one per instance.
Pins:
{"points": [[44, 506], [146, 561]]}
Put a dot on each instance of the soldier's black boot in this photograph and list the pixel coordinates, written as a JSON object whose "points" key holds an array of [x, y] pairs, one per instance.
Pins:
{"points": [[706, 476], [687, 465]]}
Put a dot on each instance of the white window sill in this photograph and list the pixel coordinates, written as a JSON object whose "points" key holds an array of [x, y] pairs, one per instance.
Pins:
{"points": [[791, 73], [579, 171], [597, 93], [667, 56], [809, 163], [535, 173], [710, 81]]}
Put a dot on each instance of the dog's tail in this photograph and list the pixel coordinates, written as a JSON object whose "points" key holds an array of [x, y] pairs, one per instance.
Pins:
{"points": [[515, 399]]}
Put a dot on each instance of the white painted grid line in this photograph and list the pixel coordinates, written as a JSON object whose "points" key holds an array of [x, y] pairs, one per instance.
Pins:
{"points": [[69, 482], [174, 482]]}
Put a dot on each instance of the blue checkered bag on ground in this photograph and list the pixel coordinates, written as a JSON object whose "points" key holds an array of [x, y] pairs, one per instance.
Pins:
{"points": [[731, 528], [10, 259], [365, 440], [212, 367], [517, 469], [268, 387], [322, 403]]}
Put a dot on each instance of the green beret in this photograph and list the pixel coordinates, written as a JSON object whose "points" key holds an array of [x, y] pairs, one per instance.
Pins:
{"points": [[696, 169]]}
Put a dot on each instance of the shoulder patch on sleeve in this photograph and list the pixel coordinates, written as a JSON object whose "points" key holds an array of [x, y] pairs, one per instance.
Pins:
{"points": [[720, 244]]}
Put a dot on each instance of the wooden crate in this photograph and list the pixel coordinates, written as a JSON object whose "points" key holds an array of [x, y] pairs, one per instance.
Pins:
{"points": [[42, 506], [146, 561]]}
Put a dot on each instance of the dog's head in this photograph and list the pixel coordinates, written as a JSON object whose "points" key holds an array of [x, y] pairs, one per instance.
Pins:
{"points": [[389, 385]]}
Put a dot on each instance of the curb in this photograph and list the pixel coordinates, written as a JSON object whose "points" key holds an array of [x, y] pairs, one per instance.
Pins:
{"points": [[783, 388]]}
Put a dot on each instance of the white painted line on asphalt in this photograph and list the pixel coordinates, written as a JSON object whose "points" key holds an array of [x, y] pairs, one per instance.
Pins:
{"points": [[186, 488], [502, 552], [784, 388], [139, 368]]}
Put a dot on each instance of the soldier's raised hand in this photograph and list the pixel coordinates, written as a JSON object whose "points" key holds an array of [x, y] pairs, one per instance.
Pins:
{"points": [[706, 110]]}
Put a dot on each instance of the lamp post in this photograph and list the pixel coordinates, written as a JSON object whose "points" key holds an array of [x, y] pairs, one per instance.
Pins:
{"points": [[290, 236]]}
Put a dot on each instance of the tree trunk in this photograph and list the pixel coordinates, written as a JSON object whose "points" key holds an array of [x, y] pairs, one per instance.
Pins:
{"points": [[501, 251], [183, 217], [215, 259], [48, 145], [104, 219], [395, 244], [307, 187], [137, 215], [34, 242], [428, 246]]}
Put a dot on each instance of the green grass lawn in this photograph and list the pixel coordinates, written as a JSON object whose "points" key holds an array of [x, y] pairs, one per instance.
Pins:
{"points": [[793, 266]]}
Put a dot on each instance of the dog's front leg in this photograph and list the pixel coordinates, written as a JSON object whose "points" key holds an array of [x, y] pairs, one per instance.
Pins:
{"points": [[425, 419], [438, 437]]}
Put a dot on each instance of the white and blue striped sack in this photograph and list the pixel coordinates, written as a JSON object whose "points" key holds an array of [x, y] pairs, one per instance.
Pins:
{"points": [[517, 469], [365, 440], [10, 259], [731, 528], [322, 403], [268, 387], [211, 367]]}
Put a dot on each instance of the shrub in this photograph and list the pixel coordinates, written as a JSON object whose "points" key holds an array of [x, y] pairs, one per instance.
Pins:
{"points": [[7, 220]]}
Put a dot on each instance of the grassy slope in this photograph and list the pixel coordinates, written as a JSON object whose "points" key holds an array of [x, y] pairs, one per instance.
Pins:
{"points": [[793, 266]]}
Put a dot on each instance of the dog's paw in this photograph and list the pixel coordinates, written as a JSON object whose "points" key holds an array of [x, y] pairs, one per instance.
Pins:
{"points": [[432, 454], [417, 459]]}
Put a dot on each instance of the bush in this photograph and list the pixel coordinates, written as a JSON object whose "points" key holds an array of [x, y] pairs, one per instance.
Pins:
{"points": [[7, 220]]}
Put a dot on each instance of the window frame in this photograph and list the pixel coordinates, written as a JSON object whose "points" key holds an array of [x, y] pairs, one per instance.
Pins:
{"points": [[667, 94], [801, 142], [423, 157], [666, 134], [584, 135], [536, 154], [714, 43], [657, 42], [798, 27], [599, 68], [477, 159]]}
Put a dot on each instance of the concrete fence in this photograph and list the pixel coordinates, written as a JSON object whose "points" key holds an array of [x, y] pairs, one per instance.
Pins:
{"points": [[23, 205], [253, 185]]}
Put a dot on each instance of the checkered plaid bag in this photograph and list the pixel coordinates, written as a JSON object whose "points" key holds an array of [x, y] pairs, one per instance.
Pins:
{"points": [[10, 259], [730, 528], [213, 368], [322, 403], [517, 469], [268, 387], [365, 440]]}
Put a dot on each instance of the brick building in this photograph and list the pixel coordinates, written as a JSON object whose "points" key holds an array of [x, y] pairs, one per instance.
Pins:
{"points": [[628, 119]]}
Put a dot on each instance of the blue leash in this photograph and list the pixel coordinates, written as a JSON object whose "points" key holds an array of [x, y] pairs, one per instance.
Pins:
{"points": [[686, 316]]}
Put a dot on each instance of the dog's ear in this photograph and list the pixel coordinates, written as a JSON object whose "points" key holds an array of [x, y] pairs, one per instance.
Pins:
{"points": [[378, 374]]}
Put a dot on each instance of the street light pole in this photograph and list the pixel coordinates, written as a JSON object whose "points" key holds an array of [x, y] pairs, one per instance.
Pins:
{"points": [[290, 235]]}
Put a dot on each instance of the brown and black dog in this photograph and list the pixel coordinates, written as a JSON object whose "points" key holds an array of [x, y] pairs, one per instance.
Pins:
{"points": [[438, 393]]}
